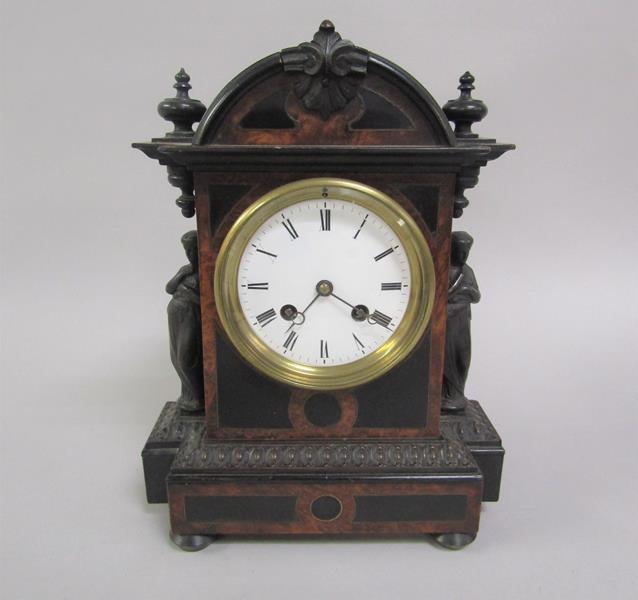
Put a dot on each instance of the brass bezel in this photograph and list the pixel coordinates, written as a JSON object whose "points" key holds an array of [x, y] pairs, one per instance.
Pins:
{"points": [[332, 377]]}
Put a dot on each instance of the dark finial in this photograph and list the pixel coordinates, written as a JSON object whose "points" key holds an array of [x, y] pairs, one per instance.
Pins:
{"points": [[466, 80], [182, 178], [182, 111], [465, 110], [182, 86], [327, 26]]}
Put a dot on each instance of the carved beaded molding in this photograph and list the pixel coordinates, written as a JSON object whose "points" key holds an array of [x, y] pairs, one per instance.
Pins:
{"points": [[441, 455]]}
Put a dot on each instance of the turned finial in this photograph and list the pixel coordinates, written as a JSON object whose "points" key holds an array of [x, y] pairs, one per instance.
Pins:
{"points": [[465, 110], [327, 25], [182, 110]]}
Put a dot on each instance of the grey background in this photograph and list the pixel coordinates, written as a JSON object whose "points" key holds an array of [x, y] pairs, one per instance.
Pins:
{"points": [[90, 235]]}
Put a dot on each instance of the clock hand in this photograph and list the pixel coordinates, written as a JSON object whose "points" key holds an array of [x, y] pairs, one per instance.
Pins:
{"points": [[359, 312], [342, 300], [323, 288], [302, 314]]}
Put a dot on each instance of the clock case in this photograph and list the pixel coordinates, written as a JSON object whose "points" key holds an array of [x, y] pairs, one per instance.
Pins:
{"points": [[267, 458]]}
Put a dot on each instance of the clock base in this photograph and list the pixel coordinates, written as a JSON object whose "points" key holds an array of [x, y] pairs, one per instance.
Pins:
{"points": [[329, 487]]}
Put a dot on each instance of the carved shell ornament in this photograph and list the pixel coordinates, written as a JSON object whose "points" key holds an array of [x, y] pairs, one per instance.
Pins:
{"points": [[331, 70]]}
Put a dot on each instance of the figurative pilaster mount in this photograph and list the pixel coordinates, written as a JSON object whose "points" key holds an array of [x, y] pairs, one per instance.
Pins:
{"points": [[185, 328], [463, 291]]}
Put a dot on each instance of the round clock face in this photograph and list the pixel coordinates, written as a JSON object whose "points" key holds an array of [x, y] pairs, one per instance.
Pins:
{"points": [[324, 284]]}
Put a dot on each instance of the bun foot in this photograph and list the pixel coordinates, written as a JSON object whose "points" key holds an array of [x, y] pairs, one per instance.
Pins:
{"points": [[192, 543], [454, 541]]}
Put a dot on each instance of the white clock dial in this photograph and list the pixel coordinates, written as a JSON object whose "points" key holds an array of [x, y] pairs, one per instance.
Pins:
{"points": [[324, 282]]}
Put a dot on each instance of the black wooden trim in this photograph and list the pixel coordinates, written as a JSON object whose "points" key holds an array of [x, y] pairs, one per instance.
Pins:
{"points": [[274, 509], [375, 509], [232, 90]]}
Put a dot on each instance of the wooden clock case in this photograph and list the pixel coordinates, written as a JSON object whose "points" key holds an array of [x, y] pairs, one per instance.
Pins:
{"points": [[269, 459]]}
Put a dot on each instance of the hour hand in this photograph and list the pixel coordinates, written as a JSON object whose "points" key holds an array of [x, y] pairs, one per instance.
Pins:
{"points": [[359, 312]]}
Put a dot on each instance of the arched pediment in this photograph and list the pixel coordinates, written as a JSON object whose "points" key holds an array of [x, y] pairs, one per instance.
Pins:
{"points": [[324, 92]]}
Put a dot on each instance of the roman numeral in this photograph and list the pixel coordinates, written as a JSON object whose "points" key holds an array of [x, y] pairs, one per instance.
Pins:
{"points": [[325, 219], [387, 287], [359, 343], [380, 318], [385, 253], [291, 340], [257, 286], [360, 227], [263, 251], [266, 317], [290, 228], [323, 348]]}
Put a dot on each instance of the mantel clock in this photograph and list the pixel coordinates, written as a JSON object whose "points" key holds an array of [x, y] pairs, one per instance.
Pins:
{"points": [[321, 328]]}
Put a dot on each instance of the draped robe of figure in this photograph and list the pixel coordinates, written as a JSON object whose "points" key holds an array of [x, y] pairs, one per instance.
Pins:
{"points": [[185, 330], [463, 291]]}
